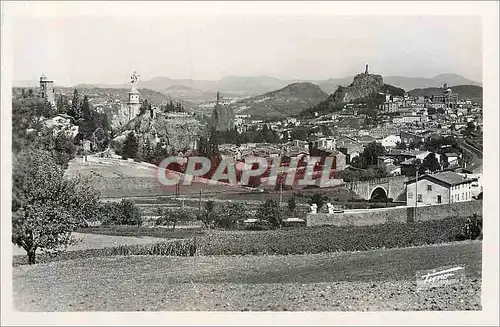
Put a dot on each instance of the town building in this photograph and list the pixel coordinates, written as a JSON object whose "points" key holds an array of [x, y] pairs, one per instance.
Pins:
{"points": [[439, 188]]}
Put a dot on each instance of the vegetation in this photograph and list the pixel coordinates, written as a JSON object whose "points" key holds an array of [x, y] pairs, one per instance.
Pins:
{"points": [[46, 206], [293, 240], [124, 212], [252, 135], [130, 147], [333, 239], [369, 156], [172, 217], [270, 212]]}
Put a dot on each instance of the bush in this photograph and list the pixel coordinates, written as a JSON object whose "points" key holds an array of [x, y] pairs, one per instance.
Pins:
{"points": [[228, 213], [168, 217], [270, 212], [122, 213], [471, 229]]}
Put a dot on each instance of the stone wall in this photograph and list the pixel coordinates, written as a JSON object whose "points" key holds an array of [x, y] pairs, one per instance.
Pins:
{"points": [[396, 214]]}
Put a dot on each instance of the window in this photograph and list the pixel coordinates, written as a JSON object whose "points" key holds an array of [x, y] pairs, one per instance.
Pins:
{"points": [[463, 196], [419, 198], [429, 187], [410, 195], [439, 199]]}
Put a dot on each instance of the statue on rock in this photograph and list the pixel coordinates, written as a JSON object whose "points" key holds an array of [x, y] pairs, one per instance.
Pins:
{"points": [[366, 69]]}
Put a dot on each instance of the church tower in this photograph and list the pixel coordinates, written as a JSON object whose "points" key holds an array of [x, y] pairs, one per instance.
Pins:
{"points": [[133, 103]]}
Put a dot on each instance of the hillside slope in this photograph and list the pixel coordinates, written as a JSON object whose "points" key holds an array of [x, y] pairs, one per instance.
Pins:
{"points": [[288, 101]]}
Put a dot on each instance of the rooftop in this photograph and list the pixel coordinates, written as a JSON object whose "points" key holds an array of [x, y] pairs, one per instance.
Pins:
{"points": [[448, 177]]}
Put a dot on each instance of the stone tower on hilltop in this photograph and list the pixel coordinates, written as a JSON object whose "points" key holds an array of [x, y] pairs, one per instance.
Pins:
{"points": [[47, 90], [133, 103]]}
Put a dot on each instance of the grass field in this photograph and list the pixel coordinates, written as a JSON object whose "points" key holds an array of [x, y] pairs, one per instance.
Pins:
{"points": [[371, 280]]}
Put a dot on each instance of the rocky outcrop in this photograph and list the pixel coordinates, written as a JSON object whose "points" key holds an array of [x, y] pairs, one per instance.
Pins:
{"points": [[222, 117], [176, 133], [362, 86]]}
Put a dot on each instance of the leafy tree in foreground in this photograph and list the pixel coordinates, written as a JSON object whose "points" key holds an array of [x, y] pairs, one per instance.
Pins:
{"points": [[46, 206]]}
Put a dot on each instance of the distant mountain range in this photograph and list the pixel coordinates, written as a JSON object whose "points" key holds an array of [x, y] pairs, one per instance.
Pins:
{"points": [[256, 85], [285, 102]]}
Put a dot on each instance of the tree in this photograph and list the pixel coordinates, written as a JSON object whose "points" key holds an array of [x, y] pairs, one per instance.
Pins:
{"points": [[430, 163], [173, 216], [291, 205], [206, 216], [227, 214], [130, 146], [75, 110], [61, 104], [145, 106], [46, 206], [369, 155], [270, 211], [131, 215], [85, 109]]}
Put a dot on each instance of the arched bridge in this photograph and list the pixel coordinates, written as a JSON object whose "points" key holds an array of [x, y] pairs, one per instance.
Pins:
{"points": [[389, 187]]}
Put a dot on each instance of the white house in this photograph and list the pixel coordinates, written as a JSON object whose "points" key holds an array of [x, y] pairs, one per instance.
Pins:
{"points": [[442, 187]]}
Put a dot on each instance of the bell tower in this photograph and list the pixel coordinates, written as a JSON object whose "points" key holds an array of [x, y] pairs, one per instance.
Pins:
{"points": [[133, 103]]}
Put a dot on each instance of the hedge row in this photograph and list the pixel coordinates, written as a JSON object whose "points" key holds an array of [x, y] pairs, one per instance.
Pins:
{"points": [[297, 240]]}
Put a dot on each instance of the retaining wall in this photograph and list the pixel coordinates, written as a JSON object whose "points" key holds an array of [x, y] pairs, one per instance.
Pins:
{"points": [[396, 214]]}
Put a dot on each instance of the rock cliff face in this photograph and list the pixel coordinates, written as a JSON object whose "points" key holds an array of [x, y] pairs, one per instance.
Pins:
{"points": [[362, 86], [118, 116], [222, 118], [177, 133]]}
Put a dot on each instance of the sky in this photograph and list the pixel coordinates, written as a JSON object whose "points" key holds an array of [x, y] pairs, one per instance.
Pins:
{"points": [[108, 48]]}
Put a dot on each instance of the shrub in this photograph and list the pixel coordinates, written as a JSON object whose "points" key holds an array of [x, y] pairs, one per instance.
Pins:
{"points": [[122, 213], [270, 211], [228, 213], [471, 229], [174, 216]]}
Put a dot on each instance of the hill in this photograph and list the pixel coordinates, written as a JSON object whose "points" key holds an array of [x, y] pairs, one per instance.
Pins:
{"points": [[473, 92], [365, 88], [285, 102], [255, 85]]}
